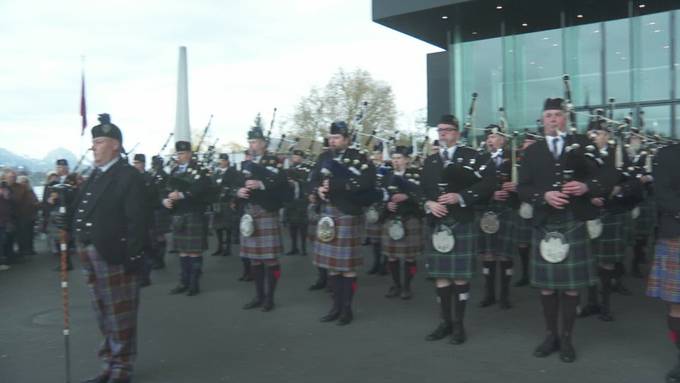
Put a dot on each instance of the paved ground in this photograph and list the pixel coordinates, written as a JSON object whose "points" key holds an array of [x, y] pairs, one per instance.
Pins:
{"points": [[209, 338]]}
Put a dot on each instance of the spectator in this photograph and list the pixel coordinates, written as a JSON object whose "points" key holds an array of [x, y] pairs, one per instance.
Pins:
{"points": [[35, 206]]}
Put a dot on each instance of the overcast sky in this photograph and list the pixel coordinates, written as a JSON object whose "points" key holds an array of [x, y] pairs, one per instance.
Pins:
{"points": [[244, 57]]}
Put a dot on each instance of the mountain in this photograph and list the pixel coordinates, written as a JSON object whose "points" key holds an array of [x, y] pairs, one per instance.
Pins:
{"points": [[7, 158]]}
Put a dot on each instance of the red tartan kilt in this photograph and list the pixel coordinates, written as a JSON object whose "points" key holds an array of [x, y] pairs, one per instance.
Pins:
{"points": [[265, 242], [664, 276], [343, 253], [408, 247]]}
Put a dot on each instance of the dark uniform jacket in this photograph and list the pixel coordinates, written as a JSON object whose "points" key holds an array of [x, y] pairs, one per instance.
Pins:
{"points": [[350, 191], [194, 183], [631, 188], [409, 184], [667, 191], [501, 174], [106, 212], [298, 179], [465, 174], [540, 173], [268, 170]]}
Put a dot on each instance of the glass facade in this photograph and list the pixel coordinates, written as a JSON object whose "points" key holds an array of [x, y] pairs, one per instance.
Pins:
{"points": [[634, 61]]}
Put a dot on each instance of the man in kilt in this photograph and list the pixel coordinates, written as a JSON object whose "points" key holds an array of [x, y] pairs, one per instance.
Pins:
{"points": [[644, 217], [188, 187], [344, 180], [664, 276], [313, 209], [296, 210], [453, 181], [262, 189], [559, 180], [373, 225], [609, 247], [151, 196], [52, 195], [497, 220], [161, 215], [110, 233], [523, 228], [224, 179], [402, 227]]}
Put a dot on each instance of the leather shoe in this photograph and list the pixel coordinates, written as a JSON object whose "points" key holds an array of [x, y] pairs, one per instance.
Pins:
{"points": [[444, 329], [458, 334], [550, 344]]}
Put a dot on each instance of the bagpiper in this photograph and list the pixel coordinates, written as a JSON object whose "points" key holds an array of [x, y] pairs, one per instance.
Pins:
{"points": [[295, 211], [373, 227], [224, 181], [161, 216], [558, 179], [262, 190], [664, 276], [188, 187], [402, 226], [344, 181], [151, 197], [498, 217], [453, 181]]}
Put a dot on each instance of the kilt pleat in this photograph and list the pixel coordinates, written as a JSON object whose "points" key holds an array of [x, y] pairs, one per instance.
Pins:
{"points": [[523, 229], [664, 276], [343, 253], [576, 271], [189, 233], [610, 246], [645, 223], [265, 242], [459, 263], [503, 242], [223, 217], [162, 221], [408, 247]]}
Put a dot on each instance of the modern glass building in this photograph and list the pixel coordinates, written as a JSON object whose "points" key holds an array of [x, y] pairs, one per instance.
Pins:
{"points": [[514, 53]]}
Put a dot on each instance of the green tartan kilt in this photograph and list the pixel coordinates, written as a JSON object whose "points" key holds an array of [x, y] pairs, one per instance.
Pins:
{"points": [[576, 271], [610, 246], [223, 217], [645, 223], [523, 229], [501, 243], [189, 232], [459, 263]]}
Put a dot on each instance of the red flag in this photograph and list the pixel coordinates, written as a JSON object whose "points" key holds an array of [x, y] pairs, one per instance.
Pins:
{"points": [[83, 108]]}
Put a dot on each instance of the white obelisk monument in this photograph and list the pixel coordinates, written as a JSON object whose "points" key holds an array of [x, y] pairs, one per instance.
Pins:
{"points": [[182, 128]]}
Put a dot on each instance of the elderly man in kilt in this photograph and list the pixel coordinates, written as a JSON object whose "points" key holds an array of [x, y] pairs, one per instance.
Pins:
{"points": [[558, 179], [262, 189], [224, 178], [497, 221], [453, 181], [664, 276], [344, 181], [296, 210], [609, 247], [644, 216], [110, 233], [402, 226], [189, 185]]}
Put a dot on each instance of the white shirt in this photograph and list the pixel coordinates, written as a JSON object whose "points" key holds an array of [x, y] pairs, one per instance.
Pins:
{"points": [[451, 152], [560, 144], [108, 165]]}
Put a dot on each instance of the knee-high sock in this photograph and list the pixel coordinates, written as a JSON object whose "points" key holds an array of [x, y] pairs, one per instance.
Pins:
{"points": [[460, 296], [410, 269], [569, 303], [550, 305]]}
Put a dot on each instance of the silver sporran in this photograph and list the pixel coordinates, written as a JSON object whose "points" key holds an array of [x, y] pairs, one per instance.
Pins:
{"points": [[594, 228], [554, 247], [489, 223], [635, 213], [396, 230], [443, 239], [526, 211], [247, 225], [325, 229], [372, 215]]}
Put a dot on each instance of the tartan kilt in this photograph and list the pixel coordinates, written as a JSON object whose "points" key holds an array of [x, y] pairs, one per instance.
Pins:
{"points": [[374, 231], [523, 229], [501, 243], [459, 263], [576, 271], [664, 276], [409, 246], [189, 232], [343, 253], [223, 216], [645, 223], [265, 242], [162, 221], [610, 246], [312, 220]]}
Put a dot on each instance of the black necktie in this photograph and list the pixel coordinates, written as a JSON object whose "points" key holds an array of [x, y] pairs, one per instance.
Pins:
{"points": [[556, 153], [95, 174], [446, 154]]}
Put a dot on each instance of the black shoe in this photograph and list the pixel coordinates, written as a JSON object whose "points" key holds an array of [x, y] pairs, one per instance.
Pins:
{"points": [[567, 352], [504, 304], [673, 376], [606, 315], [589, 309], [193, 291], [406, 294], [268, 306], [293, 252], [442, 331], [226, 252], [619, 287], [217, 252], [346, 317], [245, 278], [179, 289], [331, 316], [458, 334], [488, 301], [104, 378], [549, 345], [393, 292], [522, 282], [256, 302], [318, 285]]}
